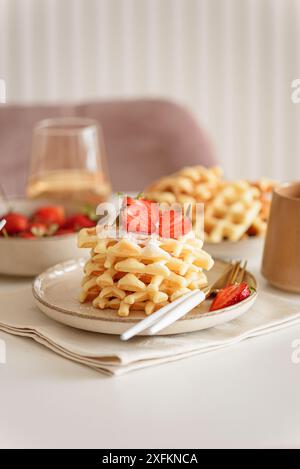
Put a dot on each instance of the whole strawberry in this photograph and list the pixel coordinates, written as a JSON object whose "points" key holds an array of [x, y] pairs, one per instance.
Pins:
{"points": [[50, 215], [77, 221], [15, 223]]}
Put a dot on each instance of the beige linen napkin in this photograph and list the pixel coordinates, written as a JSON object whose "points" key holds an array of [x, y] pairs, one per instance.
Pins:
{"points": [[107, 353]]}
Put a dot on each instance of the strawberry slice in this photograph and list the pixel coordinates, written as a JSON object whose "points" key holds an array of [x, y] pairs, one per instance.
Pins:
{"points": [[142, 202], [143, 216], [15, 223], [230, 295], [172, 224], [52, 214], [140, 216]]}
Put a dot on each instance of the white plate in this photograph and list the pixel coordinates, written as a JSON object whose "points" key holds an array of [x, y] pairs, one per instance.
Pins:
{"points": [[56, 294], [249, 248]]}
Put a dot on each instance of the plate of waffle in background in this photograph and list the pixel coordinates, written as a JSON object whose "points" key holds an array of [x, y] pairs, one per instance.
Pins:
{"points": [[235, 212]]}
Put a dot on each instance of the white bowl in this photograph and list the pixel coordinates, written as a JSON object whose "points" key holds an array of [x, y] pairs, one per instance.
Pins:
{"points": [[29, 257], [249, 249]]}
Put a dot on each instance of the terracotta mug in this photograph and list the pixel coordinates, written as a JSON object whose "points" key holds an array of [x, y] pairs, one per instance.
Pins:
{"points": [[281, 259]]}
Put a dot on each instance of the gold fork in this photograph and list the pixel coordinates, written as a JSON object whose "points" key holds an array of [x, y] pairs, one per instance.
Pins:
{"points": [[235, 274], [232, 274]]}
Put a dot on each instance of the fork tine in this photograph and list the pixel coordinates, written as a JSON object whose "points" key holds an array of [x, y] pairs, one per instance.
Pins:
{"points": [[234, 272], [242, 272], [231, 273]]}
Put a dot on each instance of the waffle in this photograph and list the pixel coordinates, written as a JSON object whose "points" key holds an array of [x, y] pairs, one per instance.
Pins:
{"points": [[191, 184], [259, 225], [127, 276], [233, 210]]}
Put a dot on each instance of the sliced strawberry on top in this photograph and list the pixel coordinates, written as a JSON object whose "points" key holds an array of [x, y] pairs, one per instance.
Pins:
{"points": [[15, 223], [172, 224], [52, 214], [143, 216], [140, 215], [129, 201], [145, 202], [230, 295]]}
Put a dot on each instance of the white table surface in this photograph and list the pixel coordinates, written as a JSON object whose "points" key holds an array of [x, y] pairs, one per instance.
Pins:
{"points": [[243, 396]]}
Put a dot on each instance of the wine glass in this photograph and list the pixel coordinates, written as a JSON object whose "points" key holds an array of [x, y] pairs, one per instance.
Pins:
{"points": [[68, 161]]}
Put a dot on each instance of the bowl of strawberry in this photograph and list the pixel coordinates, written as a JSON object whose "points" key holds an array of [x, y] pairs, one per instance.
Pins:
{"points": [[39, 234]]}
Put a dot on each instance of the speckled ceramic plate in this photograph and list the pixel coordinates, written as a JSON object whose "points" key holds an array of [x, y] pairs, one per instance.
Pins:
{"points": [[56, 294]]}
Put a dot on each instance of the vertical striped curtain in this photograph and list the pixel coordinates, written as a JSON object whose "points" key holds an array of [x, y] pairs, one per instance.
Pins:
{"points": [[231, 62]]}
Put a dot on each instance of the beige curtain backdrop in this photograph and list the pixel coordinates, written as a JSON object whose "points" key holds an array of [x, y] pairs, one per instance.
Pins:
{"points": [[231, 62]]}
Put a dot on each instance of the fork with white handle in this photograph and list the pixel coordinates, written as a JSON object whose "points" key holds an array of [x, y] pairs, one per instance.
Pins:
{"points": [[2, 224], [170, 313], [198, 297]]}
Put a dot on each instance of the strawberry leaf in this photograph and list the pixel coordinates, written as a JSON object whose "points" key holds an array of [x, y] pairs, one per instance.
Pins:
{"points": [[52, 229], [89, 211]]}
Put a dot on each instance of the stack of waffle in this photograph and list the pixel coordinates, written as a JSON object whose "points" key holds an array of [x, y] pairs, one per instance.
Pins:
{"points": [[191, 184], [127, 275], [233, 210]]}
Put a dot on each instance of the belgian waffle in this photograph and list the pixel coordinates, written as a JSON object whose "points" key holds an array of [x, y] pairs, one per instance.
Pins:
{"points": [[233, 210], [125, 275]]}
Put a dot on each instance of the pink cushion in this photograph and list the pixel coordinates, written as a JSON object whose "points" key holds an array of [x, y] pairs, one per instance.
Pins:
{"points": [[144, 139]]}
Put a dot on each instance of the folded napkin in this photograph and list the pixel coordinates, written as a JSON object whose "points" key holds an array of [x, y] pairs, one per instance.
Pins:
{"points": [[107, 353]]}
